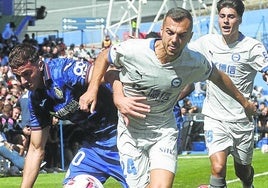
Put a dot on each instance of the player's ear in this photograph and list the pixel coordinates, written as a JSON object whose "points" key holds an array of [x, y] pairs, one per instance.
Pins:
{"points": [[240, 20]]}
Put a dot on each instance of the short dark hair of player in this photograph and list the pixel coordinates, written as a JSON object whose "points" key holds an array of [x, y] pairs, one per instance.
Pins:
{"points": [[179, 14], [22, 54], [237, 5]]}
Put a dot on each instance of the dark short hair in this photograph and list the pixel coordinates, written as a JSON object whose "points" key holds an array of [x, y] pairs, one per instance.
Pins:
{"points": [[178, 14], [21, 54], [237, 5]]}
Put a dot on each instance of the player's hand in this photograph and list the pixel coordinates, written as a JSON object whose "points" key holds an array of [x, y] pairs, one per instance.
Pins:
{"points": [[88, 99], [131, 106], [26, 130], [250, 110]]}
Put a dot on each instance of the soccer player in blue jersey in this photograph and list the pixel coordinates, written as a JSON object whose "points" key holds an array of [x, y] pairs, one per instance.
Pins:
{"points": [[155, 71], [55, 88]]}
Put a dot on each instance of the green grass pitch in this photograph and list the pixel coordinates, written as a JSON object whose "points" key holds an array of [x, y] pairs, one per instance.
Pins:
{"points": [[193, 170]]}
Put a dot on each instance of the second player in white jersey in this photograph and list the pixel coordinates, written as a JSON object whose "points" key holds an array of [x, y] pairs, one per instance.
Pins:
{"points": [[241, 61]]}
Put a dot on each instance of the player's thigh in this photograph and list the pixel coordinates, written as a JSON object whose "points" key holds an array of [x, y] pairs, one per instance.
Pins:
{"points": [[166, 179], [163, 153], [244, 144], [217, 136], [134, 161]]}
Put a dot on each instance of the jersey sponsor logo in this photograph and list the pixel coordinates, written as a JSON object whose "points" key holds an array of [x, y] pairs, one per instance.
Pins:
{"points": [[69, 108], [42, 104], [265, 55], [166, 150], [236, 57], [58, 92], [157, 95], [176, 82], [228, 69]]}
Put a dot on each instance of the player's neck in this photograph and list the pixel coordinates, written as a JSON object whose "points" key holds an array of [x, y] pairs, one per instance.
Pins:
{"points": [[231, 39], [162, 54]]}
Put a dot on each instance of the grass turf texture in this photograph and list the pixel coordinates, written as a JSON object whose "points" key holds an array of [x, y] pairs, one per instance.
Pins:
{"points": [[193, 170]]}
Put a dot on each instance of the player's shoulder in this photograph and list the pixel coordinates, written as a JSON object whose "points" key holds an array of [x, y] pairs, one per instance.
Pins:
{"points": [[209, 37], [59, 62], [132, 46], [251, 41], [193, 54], [252, 44], [135, 42], [192, 50]]}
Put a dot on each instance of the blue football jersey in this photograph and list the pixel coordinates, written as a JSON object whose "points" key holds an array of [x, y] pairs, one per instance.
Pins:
{"points": [[65, 81]]}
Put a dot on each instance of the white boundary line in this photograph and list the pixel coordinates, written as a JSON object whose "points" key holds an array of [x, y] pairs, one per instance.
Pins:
{"points": [[192, 157], [229, 181], [256, 175]]}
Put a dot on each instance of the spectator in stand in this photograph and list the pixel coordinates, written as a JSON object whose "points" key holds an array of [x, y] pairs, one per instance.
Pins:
{"points": [[82, 53], [33, 40], [6, 120], [71, 51], [7, 148], [255, 92], [190, 108], [4, 70], [59, 50], [9, 99], [55, 52], [260, 97], [93, 52], [70, 150], [3, 92], [47, 52], [13, 152], [23, 104], [107, 42], [52, 147], [25, 114], [262, 120], [26, 39], [15, 134]]}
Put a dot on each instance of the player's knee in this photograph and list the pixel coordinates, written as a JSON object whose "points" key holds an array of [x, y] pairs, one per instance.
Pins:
{"points": [[218, 170], [217, 182]]}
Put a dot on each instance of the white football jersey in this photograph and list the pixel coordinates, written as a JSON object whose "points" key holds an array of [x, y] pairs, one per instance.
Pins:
{"points": [[142, 74], [241, 61]]}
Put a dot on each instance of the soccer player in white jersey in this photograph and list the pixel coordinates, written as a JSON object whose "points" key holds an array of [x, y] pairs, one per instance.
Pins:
{"points": [[153, 73], [227, 129]]}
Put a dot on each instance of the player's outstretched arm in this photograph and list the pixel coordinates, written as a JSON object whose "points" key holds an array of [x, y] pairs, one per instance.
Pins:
{"points": [[225, 84], [89, 98], [34, 157]]}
